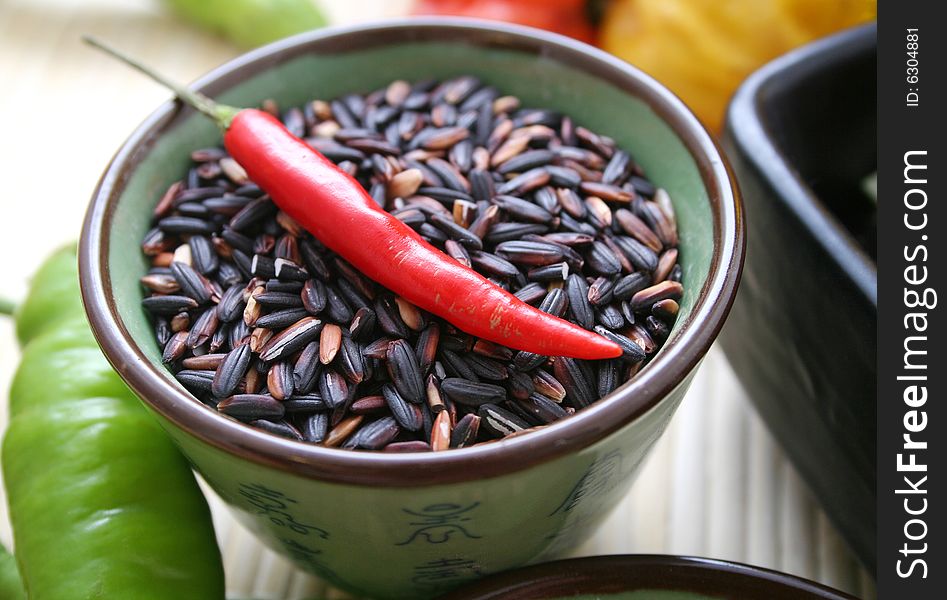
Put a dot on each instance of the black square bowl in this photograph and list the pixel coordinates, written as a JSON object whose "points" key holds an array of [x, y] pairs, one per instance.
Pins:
{"points": [[801, 135]]}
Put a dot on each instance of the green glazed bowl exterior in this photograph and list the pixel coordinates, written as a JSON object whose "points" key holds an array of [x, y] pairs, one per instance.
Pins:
{"points": [[417, 525]]}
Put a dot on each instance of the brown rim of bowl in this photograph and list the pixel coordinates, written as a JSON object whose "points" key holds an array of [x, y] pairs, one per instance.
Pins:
{"points": [[679, 356], [632, 572]]}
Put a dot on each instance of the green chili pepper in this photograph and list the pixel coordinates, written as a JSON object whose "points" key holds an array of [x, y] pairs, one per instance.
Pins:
{"points": [[102, 503], [251, 23], [11, 588]]}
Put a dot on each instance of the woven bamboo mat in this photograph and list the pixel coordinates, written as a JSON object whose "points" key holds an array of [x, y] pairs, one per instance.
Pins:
{"points": [[715, 485]]}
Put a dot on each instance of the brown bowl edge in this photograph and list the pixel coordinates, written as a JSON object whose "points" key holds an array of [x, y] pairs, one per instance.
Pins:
{"points": [[633, 572]]}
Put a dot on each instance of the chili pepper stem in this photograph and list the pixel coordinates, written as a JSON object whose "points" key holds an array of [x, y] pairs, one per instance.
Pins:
{"points": [[220, 113], [7, 306]]}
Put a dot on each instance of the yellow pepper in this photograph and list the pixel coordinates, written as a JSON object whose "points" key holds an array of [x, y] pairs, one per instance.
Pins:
{"points": [[703, 49]]}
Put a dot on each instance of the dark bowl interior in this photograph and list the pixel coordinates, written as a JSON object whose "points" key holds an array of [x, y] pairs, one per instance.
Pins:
{"points": [[821, 117], [645, 577], [801, 136]]}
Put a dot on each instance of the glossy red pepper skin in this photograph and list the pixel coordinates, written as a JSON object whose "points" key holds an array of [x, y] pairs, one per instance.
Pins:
{"points": [[335, 208]]}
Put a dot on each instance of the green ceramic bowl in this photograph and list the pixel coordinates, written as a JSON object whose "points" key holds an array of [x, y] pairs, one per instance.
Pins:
{"points": [[645, 577], [416, 525]]}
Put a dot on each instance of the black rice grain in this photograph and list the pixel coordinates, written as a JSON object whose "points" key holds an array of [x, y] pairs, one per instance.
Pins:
{"points": [[259, 319]]}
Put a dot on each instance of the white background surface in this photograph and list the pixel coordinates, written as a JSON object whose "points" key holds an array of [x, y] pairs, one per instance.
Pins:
{"points": [[715, 485]]}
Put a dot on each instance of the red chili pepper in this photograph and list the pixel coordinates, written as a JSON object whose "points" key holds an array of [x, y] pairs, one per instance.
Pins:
{"points": [[333, 207]]}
